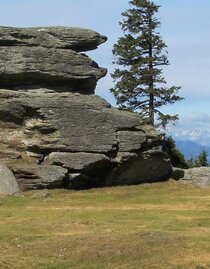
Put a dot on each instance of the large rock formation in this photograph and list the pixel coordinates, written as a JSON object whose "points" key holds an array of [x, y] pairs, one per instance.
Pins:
{"points": [[53, 132]]}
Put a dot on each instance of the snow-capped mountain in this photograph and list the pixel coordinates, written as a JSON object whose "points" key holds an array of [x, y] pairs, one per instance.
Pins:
{"points": [[199, 136], [190, 141]]}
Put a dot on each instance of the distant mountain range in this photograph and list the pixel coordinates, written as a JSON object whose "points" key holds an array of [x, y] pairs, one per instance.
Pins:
{"points": [[191, 149], [200, 136]]}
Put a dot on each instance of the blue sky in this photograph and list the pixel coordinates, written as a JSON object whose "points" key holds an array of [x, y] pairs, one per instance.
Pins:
{"points": [[185, 27]]}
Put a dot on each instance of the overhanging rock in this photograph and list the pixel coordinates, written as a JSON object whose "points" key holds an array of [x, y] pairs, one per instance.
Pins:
{"points": [[49, 56], [59, 37]]}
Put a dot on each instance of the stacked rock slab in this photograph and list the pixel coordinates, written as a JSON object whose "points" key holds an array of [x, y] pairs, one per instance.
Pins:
{"points": [[33, 57], [54, 132]]}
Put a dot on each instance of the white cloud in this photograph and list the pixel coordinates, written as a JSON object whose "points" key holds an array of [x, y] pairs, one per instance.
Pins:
{"points": [[192, 126], [195, 118]]}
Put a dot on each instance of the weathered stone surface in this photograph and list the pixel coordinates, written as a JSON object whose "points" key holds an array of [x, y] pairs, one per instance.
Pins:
{"points": [[65, 122], [78, 161], [37, 66], [9, 154], [150, 166], [82, 133], [8, 183], [74, 38], [152, 134], [136, 139], [198, 175], [53, 131], [31, 176]]}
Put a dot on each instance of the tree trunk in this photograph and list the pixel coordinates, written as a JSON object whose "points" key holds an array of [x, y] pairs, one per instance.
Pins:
{"points": [[151, 109], [151, 84]]}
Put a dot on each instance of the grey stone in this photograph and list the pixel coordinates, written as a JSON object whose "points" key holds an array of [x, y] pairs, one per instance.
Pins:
{"points": [[82, 133], [150, 166], [30, 176], [37, 67], [136, 139], [53, 131], [153, 135], [65, 122], [74, 38], [198, 175], [78, 161], [8, 183]]}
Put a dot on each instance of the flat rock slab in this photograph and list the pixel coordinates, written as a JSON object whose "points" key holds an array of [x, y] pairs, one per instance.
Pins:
{"points": [[30, 176], [8, 183], [79, 161], [39, 122], [77, 39], [37, 66]]}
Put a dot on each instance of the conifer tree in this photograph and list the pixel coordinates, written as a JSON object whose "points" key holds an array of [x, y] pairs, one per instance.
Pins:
{"points": [[140, 53], [202, 159]]}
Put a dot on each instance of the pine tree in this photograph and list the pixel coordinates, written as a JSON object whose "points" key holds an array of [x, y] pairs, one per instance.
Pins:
{"points": [[139, 84], [202, 159], [191, 162]]}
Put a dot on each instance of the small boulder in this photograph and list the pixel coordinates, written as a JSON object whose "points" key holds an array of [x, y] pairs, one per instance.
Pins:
{"points": [[8, 183], [151, 166], [198, 175]]}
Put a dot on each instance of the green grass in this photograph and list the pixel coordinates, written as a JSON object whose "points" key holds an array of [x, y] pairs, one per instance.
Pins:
{"points": [[159, 226]]}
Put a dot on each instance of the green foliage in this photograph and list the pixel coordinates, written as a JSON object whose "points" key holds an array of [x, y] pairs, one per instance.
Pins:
{"points": [[177, 158], [200, 160], [139, 84], [191, 162]]}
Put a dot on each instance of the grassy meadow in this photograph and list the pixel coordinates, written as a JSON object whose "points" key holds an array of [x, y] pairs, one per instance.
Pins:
{"points": [[163, 225]]}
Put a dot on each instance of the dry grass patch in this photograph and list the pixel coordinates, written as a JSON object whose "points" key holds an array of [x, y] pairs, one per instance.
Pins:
{"points": [[163, 225]]}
